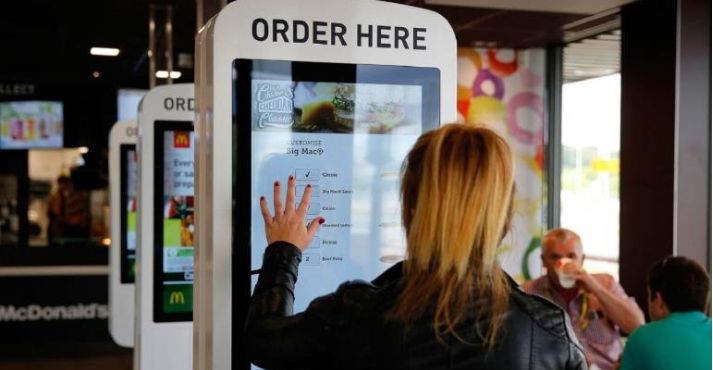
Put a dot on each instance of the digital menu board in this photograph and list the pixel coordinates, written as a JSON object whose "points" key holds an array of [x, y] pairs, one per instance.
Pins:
{"points": [[129, 204], [31, 124], [173, 221], [345, 129]]}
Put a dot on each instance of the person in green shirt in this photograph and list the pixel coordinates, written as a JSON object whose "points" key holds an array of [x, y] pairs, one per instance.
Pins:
{"points": [[679, 336]]}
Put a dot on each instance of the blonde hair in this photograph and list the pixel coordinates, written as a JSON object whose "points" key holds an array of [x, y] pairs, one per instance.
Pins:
{"points": [[456, 191]]}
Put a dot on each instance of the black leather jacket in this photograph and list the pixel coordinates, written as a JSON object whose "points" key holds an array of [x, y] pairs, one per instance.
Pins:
{"points": [[346, 329]]}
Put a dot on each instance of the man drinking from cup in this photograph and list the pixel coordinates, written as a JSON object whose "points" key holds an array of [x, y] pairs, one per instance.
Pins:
{"points": [[597, 305]]}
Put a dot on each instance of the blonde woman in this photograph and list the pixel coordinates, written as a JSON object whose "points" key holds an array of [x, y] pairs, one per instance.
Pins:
{"points": [[449, 305]]}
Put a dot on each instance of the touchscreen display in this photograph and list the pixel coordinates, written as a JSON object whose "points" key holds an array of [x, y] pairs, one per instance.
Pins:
{"points": [[344, 129], [128, 213], [173, 221]]}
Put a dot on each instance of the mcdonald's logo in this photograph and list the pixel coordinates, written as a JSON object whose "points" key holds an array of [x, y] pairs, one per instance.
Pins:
{"points": [[181, 139], [176, 298]]}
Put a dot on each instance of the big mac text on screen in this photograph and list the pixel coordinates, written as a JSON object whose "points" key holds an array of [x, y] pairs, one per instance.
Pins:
{"points": [[334, 33]]}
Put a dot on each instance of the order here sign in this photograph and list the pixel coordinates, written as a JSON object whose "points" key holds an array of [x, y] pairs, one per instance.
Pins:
{"points": [[334, 33]]}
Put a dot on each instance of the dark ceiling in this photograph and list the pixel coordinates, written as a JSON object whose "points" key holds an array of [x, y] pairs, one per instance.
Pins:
{"points": [[505, 28], [49, 41]]}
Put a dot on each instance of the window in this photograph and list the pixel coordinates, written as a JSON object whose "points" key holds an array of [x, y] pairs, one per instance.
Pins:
{"points": [[589, 192]]}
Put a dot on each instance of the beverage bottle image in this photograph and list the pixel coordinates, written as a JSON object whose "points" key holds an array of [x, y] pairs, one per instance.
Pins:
{"points": [[46, 122], [4, 127], [17, 129], [42, 127], [31, 132]]}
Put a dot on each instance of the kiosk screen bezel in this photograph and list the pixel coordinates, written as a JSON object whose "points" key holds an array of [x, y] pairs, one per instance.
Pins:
{"points": [[244, 71]]}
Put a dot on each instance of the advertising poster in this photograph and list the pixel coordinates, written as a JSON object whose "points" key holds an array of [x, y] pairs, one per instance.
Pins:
{"points": [[31, 124], [176, 292]]}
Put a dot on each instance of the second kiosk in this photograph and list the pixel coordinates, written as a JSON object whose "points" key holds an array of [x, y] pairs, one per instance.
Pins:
{"points": [[164, 284], [123, 171], [334, 93]]}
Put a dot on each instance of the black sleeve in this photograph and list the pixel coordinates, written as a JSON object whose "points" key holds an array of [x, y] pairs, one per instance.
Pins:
{"points": [[577, 359], [275, 338]]}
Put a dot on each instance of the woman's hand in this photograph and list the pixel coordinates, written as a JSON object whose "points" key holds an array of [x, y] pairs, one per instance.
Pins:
{"points": [[288, 224]]}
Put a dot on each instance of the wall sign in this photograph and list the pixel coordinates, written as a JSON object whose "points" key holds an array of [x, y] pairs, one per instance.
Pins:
{"points": [[335, 33], [16, 89]]}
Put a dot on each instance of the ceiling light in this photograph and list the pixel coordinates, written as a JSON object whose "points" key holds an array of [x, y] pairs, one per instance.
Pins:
{"points": [[96, 74], [107, 52], [164, 74]]}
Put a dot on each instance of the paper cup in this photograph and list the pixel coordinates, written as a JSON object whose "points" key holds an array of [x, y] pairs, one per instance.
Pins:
{"points": [[566, 281]]}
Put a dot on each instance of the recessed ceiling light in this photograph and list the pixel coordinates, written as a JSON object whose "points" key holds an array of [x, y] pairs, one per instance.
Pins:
{"points": [[106, 52], [96, 74], [164, 74]]}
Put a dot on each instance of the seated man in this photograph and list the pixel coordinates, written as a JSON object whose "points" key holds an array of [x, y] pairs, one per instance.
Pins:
{"points": [[597, 305], [679, 336]]}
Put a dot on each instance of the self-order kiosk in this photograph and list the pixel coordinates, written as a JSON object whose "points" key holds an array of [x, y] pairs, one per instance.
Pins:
{"points": [[122, 260], [334, 93], [166, 228]]}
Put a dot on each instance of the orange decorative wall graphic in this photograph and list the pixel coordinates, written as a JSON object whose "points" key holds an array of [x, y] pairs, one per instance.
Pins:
{"points": [[504, 89]]}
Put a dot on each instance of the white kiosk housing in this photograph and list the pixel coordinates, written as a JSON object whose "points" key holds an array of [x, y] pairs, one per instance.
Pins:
{"points": [[332, 92], [164, 300], [122, 254]]}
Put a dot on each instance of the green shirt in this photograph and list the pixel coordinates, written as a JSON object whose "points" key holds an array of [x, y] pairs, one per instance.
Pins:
{"points": [[682, 340]]}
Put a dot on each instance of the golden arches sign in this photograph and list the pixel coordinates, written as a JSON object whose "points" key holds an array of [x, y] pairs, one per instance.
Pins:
{"points": [[176, 298], [181, 140]]}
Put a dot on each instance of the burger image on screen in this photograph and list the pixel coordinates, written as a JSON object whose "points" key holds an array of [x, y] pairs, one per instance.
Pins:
{"points": [[344, 103], [381, 117], [329, 112], [315, 116]]}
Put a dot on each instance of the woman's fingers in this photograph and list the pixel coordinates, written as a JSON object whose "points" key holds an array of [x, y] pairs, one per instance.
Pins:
{"points": [[314, 226], [288, 223], [266, 216], [306, 199], [290, 201], [277, 199]]}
